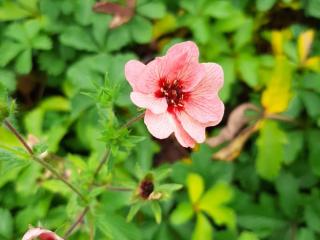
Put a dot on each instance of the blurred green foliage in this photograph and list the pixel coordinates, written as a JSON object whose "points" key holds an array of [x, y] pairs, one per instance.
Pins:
{"points": [[53, 59]]}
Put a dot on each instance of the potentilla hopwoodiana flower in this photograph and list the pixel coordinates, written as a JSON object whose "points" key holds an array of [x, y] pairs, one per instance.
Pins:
{"points": [[179, 93]]}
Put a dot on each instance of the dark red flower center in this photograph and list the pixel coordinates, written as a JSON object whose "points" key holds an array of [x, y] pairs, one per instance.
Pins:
{"points": [[146, 188], [173, 93], [46, 236]]}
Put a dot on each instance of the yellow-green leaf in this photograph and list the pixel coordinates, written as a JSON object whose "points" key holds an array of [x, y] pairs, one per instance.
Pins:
{"points": [[213, 204], [305, 41], [277, 95], [313, 63], [219, 194], [203, 229], [195, 186], [182, 213], [164, 25], [271, 150]]}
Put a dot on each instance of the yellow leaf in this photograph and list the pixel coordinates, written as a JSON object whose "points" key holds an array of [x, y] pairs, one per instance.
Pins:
{"points": [[305, 41], [276, 96], [313, 63], [195, 186], [277, 42], [203, 229], [164, 25]]}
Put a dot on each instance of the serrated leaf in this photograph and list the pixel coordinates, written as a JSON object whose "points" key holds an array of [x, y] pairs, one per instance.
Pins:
{"points": [[154, 10], [9, 11], [264, 5], [24, 62], [6, 223], [78, 38], [9, 50], [270, 143], [140, 29]]}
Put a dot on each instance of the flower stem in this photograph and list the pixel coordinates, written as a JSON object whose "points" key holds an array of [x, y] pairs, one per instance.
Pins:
{"points": [[103, 161], [42, 162]]}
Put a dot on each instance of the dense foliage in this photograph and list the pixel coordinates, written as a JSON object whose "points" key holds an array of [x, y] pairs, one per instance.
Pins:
{"points": [[258, 175]]}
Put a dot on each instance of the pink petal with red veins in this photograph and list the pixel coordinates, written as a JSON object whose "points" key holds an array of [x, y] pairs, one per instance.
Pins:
{"points": [[149, 101], [205, 110], [194, 128], [34, 233], [159, 125], [133, 71], [213, 81], [188, 47], [182, 63], [182, 136]]}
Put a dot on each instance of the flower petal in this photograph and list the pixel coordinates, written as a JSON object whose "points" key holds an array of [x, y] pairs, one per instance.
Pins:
{"points": [[188, 47], [211, 83], [34, 233], [133, 71], [183, 64], [159, 125], [194, 128], [182, 136], [149, 101], [205, 110]]}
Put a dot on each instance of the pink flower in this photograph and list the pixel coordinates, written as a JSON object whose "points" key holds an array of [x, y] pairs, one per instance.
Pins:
{"points": [[179, 93], [40, 234]]}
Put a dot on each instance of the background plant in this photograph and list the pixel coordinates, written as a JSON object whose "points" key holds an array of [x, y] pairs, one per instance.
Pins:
{"points": [[53, 60]]}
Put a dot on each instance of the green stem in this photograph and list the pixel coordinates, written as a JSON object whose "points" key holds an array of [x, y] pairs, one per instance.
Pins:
{"points": [[103, 161], [42, 162]]}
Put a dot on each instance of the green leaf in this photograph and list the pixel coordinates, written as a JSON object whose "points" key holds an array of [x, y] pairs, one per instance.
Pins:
{"points": [[182, 213], [9, 11], [270, 150], [314, 150], [248, 68], [8, 80], [42, 42], [115, 227], [133, 211], [306, 234], [260, 223], [9, 50], [203, 228], [154, 10], [6, 223], [228, 65], [311, 101], [312, 217], [24, 62], [244, 34], [195, 185], [220, 9], [118, 38], [141, 29], [201, 30], [312, 8], [78, 38], [248, 236], [156, 209], [51, 63], [288, 189], [264, 5], [293, 146]]}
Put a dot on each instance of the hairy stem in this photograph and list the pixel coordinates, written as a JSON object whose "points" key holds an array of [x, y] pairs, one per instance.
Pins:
{"points": [[103, 161], [42, 162]]}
